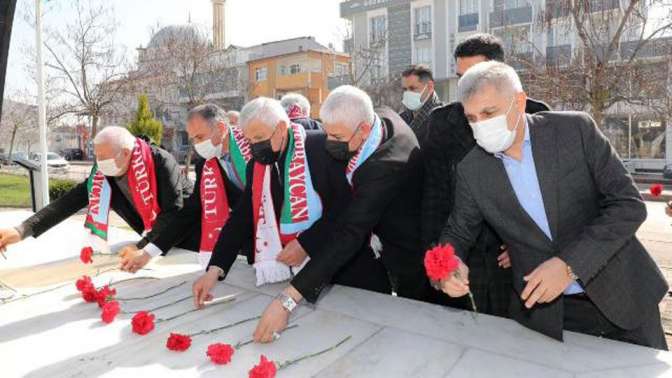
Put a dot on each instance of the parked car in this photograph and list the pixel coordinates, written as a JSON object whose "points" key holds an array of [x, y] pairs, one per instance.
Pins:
{"points": [[54, 161], [667, 171], [71, 154]]}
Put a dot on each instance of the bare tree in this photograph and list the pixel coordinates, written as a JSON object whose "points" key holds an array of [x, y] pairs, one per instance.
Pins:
{"points": [[85, 63], [615, 59], [18, 125]]}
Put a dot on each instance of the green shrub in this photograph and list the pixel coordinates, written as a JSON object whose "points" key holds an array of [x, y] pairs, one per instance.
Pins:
{"points": [[144, 123], [57, 188]]}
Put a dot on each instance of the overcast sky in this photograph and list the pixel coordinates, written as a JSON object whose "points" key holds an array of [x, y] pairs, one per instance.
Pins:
{"points": [[249, 22]]}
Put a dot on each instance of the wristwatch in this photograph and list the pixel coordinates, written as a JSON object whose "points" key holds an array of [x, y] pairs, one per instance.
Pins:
{"points": [[288, 303], [571, 274]]}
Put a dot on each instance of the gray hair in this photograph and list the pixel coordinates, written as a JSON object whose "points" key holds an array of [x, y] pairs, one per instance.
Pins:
{"points": [[264, 109], [212, 113], [500, 75], [233, 113], [116, 136], [295, 99], [349, 105]]}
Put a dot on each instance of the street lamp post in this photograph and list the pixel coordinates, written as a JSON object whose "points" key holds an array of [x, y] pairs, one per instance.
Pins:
{"points": [[41, 108]]}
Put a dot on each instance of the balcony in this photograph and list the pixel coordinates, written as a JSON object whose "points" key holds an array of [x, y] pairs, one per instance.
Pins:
{"points": [[467, 22], [422, 31], [349, 8], [334, 82], [513, 16], [561, 8]]}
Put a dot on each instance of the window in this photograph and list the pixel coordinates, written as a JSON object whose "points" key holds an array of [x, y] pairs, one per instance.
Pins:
{"points": [[500, 5], [261, 73], [283, 70], [340, 69], [294, 69], [377, 30], [468, 7], [423, 20], [423, 55]]}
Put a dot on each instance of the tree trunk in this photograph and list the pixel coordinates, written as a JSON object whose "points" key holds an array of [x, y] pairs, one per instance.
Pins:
{"points": [[11, 141]]}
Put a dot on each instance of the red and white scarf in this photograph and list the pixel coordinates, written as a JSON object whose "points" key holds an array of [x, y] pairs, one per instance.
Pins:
{"points": [[215, 206], [142, 185]]}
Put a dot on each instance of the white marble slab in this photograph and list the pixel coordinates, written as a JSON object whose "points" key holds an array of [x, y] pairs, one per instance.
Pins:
{"points": [[55, 334]]}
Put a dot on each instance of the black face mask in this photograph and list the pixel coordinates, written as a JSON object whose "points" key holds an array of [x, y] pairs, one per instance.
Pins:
{"points": [[263, 153], [339, 150]]}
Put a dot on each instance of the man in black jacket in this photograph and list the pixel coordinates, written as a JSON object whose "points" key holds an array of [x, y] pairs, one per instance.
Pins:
{"points": [[215, 140], [419, 99], [267, 128], [450, 139], [379, 162], [113, 147]]}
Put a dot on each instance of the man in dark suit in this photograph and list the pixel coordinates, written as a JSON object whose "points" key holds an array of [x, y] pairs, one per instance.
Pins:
{"points": [[379, 162], [267, 127], [213, 138], [449, 140], [113, 147], [557, 193]]}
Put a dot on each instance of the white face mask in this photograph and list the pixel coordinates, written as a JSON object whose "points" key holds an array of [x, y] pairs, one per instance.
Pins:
{"points": [[207, 150], [413, 100], [109, 167], [493, 134]]}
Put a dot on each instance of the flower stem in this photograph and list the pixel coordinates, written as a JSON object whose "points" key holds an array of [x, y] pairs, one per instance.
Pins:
{"points": [[148, 296], [220, 301], [207, 332], [296, 361], [471, 296], [241, 344]]}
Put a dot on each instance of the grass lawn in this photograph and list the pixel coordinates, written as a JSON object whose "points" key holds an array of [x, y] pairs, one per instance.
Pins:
{"points": [[14, 191]]}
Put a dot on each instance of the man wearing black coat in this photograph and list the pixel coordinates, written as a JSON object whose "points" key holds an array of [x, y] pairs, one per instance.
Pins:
{"points": [[269, 144], [117, 143], [379, 157], [449, 140]]}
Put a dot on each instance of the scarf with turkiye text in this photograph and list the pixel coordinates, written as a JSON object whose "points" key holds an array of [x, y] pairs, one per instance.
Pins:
{"points": [[142, 185], [215, 207], [301, 207]]}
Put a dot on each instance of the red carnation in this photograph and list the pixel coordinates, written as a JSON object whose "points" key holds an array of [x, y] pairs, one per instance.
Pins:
{"points": [[265, 369], [110, 311], [85, 255], [656, 190], [89, 294], [83, 283], [143, 322], [178, 343], [220, 354], [440, 262], [105, 294]]}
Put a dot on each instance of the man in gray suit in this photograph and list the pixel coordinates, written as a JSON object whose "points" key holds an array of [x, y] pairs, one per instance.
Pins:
{"points": [[553, 188]]}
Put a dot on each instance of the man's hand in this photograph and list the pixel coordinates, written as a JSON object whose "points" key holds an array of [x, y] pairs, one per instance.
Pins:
{"points": [[668, 209], [8, 236], [503, 259], [546, 282], [457, 285], [202, 287], [135, 260], [274, 319], [293, 254]]}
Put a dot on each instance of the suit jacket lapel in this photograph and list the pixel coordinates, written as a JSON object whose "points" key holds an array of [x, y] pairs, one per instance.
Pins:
{"points": [[545, 153]]}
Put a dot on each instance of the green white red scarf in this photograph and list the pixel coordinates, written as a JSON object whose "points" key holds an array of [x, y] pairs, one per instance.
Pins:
{"points": [[301, 207], [142, 185], [215, 206]]}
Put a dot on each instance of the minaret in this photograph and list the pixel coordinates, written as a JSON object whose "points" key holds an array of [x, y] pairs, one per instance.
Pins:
{"points": [[218, 24]]}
